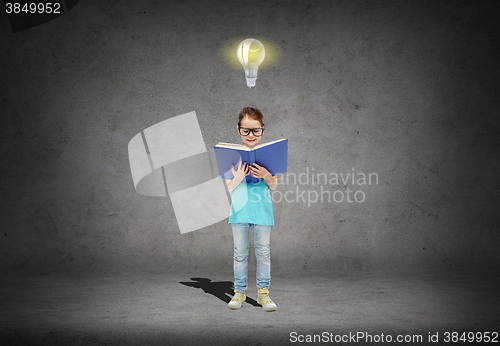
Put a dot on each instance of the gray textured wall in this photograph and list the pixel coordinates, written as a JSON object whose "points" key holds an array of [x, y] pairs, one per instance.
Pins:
{"points": [[407, 91]]}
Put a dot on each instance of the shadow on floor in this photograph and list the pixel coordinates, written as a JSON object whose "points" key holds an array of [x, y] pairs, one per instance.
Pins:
{"points": [[224, 290]]}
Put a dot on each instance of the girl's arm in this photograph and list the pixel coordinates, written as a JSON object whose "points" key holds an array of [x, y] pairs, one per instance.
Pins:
{"points": [[262, 172], [238, 176], [272, 181]]}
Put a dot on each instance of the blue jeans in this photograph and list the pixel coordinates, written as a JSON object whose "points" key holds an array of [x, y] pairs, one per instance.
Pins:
{"points": [[241, 238]]}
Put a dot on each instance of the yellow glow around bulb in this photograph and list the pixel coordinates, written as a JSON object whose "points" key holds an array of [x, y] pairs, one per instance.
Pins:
{"points": [[229, 54]]}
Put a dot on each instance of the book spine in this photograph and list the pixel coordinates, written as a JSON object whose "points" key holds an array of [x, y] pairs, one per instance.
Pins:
{"points": [[251, 161]]}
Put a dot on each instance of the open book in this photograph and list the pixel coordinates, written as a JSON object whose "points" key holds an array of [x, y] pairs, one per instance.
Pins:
{"points": [[272, 155]]}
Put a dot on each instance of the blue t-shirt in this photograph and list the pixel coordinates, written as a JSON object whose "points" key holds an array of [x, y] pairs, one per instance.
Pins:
{"points": [[251, 203]]}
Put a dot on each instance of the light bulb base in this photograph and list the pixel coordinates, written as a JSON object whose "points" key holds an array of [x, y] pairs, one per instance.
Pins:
{"points": [[251, 82]]}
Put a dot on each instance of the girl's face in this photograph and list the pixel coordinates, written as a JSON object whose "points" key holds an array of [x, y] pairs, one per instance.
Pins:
{"points": [[250, 140]]}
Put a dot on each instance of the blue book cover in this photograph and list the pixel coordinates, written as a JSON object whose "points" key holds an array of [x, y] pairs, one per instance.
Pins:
{"points": [[272, 155]]}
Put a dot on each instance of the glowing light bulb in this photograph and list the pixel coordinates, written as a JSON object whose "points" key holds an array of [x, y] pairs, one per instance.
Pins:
{"points": [[251, 53]]}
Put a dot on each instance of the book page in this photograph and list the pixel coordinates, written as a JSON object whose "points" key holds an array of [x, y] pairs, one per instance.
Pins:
{"points": [[243, 147], [269, 143], [231, 145]]}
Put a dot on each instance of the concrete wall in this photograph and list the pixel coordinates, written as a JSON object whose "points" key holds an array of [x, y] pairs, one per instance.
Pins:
{"points": [[407, 91]]}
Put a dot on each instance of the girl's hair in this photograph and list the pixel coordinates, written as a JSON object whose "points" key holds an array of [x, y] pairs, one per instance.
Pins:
{"points": [[252, 113]]}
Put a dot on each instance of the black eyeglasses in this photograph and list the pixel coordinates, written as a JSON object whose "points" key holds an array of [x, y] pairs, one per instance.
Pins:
{"points": [[256, 132]]}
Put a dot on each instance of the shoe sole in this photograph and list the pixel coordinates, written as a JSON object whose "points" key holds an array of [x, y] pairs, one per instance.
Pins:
{"points": [[269, 309], [236, 308]]}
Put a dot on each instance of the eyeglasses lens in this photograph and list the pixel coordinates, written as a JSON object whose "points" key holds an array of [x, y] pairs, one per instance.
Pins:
{"points": [[246, 132]]}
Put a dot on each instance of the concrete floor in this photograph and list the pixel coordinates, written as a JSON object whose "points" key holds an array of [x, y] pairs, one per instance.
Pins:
{"points": [[164, 309]]}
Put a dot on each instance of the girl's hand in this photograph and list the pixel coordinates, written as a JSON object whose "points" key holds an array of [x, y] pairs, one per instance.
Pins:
{"points": [[259, 171], [240, 174], [262, 172]]}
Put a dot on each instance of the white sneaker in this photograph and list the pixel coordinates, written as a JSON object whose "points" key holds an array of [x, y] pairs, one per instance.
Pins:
{"points": [[265, 301], [237, 300]]}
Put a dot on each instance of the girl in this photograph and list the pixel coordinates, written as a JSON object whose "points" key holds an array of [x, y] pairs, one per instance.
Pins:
{"points": [[251, 205]]}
